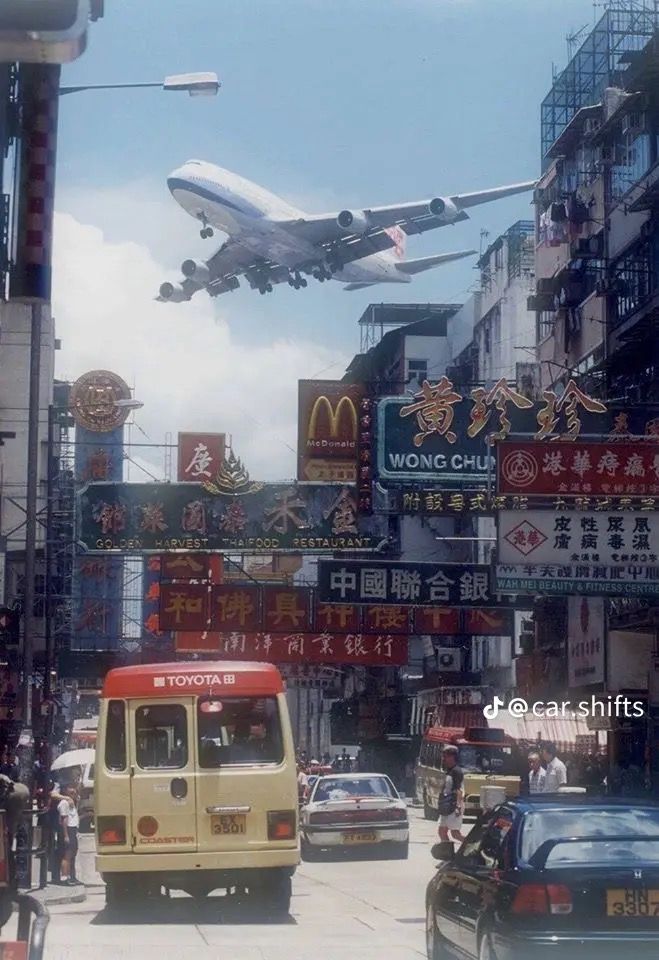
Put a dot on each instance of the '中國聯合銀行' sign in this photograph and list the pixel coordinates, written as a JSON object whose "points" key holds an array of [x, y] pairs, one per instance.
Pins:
{"points": [[159, 517], [442, 436], [414, 584]]}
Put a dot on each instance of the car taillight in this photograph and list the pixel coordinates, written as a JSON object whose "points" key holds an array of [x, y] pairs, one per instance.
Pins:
{"points": [[323, 817], [560, 898], [394, 814], [536, 898], [111, 830], [281, 824]]}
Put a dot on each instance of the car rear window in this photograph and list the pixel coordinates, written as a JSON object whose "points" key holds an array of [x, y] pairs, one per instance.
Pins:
{"points": [[590, 824], [339, 788]]}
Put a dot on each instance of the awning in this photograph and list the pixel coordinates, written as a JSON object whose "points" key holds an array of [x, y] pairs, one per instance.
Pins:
{"points": [[562, 731]]}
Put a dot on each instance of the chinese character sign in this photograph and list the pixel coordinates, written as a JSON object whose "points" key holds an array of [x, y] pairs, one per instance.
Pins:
{"points": [[610, 468], [184, 606], [236, 607], [585, 641], [408, 584], [192, 566], [286, 609], [443, 437], [97, 589], [159, 517], [200, 455], [359, 649], [547, 536]]}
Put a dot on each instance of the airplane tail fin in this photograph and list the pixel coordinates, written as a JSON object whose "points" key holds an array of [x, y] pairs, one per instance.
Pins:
{"points": [[411, 267], [399, 238]]}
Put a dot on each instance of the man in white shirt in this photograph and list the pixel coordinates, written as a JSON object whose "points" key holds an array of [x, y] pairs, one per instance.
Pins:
{"points": [[537, 774], [555, 769]]}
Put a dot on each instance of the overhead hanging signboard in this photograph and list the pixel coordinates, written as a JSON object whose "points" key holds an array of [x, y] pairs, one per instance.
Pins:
{"points": [[441, 437], [563, 552], [586, 641], [264, 517], [328, 430], [200, 456], [594, 469], [409, 584], [380, 650]]}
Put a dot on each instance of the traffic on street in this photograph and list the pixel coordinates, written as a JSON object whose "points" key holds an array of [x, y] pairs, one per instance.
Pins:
{"points": [[329, 617]]}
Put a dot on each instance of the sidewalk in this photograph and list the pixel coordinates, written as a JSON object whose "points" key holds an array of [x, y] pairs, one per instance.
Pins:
{"points": [[54, 894]]}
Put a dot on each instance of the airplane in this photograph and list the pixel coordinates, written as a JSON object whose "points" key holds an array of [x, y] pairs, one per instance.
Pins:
{"points": [[270, 241]]}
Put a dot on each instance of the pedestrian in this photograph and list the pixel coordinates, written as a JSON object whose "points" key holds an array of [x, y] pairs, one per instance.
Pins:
{"points": [[302, 782], [69, 823], [537, 773], [555, 771], [451, 802], [9, 767]]}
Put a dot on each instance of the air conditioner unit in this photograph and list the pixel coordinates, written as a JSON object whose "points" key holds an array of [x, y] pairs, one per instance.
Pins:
{"points": [[448, 659]]}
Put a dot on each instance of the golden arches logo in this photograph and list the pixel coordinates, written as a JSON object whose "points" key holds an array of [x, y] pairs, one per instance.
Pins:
{"points": [[334, 415]]}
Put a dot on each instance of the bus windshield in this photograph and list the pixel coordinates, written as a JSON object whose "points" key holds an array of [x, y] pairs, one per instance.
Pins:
{"points": [[487, 758]]}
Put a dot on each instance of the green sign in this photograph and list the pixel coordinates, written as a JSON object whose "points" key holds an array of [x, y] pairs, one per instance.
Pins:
{"points": [[263, 517]]}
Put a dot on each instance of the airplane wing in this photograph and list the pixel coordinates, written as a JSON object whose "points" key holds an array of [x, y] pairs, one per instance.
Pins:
{"points": [[219, 274], [348, 227]]}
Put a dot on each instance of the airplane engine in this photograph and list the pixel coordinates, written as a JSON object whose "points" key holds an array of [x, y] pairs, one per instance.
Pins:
{"points": [[196, 269], [355, 221], [443, 207], [173, 292]]}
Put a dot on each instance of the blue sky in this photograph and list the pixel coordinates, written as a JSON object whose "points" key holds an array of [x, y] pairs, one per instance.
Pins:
{"points": [[333, 104]]}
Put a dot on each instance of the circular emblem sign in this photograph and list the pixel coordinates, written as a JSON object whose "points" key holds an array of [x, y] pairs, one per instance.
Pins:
{"points": [[98, 401], [519, 469]]}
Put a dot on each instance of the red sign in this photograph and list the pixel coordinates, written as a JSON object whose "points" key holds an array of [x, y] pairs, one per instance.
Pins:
{"points": [[286, 609], [337, 618], [386, 619], [13, 950], [607, 468], [200, 455], [328, 414], [484, 622], [183, 606], [429, 620], [365, 649], [192, 566], [235, 608]]}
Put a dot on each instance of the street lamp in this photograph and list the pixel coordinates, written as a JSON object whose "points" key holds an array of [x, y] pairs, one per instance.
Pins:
{"points": [[196, 84]]}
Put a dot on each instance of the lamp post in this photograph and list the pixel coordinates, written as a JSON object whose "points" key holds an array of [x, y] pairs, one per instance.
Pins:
{"points": [[30, 281], [195, 84]]}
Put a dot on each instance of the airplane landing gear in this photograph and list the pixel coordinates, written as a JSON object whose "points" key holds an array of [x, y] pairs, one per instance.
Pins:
{"points": [[265, 288], [206, 231], [321, 272], [296, 281]]}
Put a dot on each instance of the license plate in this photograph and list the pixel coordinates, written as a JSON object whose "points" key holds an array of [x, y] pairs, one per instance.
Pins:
{"points": [[360, 838], [632, 903], [228, 824]]}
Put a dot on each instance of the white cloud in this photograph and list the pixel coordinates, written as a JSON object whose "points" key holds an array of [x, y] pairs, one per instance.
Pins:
{"points": [[188, 368]]}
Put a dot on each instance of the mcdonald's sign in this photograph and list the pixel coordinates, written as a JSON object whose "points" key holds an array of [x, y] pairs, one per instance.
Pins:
{"points": [[328, 417]]}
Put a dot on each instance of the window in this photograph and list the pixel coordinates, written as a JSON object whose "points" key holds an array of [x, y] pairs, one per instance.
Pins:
{"points": [[546, 321], [162, 737], [342, 788], [245, 730], [115, 736], [417, 370], [621, 822]]}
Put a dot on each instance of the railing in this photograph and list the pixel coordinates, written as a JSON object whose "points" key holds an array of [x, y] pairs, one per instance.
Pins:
{"points": [[33, 919]]}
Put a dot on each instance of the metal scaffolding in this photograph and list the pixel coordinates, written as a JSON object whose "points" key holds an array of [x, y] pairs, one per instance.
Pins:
{"points": [[600, 62]]}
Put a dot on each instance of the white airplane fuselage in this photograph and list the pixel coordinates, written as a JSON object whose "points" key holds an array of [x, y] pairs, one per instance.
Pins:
{"points": [[253, 217]]}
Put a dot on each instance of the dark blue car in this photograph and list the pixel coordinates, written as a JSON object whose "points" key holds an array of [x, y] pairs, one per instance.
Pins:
{"points": [[554, 877]]}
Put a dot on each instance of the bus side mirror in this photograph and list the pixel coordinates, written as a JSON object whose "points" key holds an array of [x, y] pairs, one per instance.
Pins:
{"points": [[443, 850]]}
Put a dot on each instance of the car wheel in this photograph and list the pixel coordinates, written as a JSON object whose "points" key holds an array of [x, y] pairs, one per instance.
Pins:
{"points": [[435, 943], [308, 852], [486, 950], [119, 892]]}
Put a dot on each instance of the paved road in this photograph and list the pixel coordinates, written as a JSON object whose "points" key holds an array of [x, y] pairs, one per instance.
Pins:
{"points": [[359, 909]]}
